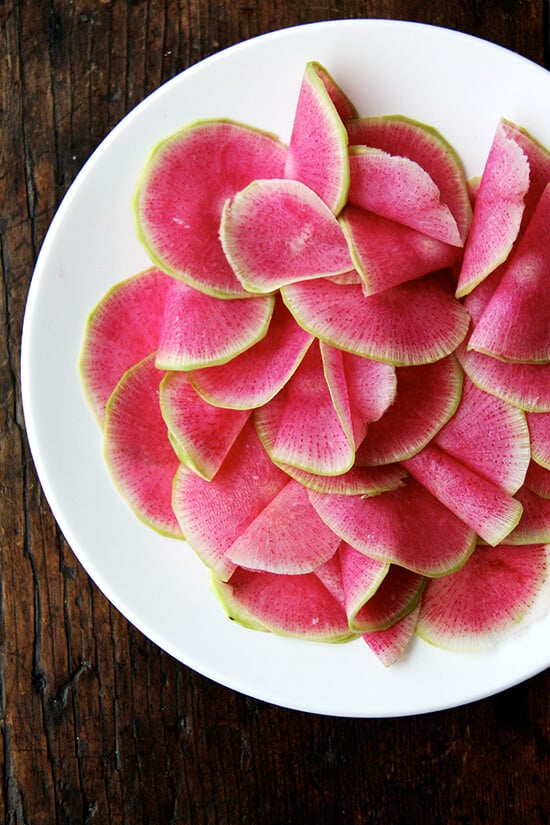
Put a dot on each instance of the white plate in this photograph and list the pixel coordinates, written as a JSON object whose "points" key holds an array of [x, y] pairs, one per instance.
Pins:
{"points": [[458, 83]]}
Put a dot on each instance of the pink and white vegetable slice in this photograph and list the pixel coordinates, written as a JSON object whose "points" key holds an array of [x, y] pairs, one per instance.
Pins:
{"points": [[539, 430], [357, 481]]}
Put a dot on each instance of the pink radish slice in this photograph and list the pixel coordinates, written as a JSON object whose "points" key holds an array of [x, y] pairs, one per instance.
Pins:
{"points": [[393, 527], [287, 605], [121, 330], [286, 537], [399, 135], [137, 450], [413, 323], [490, 436], [185, 183], [497, 213], [537, 480], [539, 166], [427, 396], [318, 148], [534, 525], [343, 105], [276, 232], [481, 504], [300, 425], [255, 376], [213, 514], [397, 188], [386, 253], [199, 330], [493, 595], [515, 324], [389, 645], [364, 481], [201, 434], [539, 429]]}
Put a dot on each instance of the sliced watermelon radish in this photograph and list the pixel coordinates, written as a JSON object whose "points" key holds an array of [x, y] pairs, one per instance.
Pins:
{"points": [[537, 479], [539, 430], [406, 526], [480, 503], [213, 514], [427, 396], [539, 165], [255, 376], [402, 136], [498, 211], [185, 183], [286, 537], [199, 330], [300, 425], [534, 525], [490, 597], [122, 329], [386, 253], [413, 323], [287, 605], [201, 434], [397, 188], [515, 325], [137, 450], [357, 481], [344, 106], [490, 436], [389, 645], [318, 148], [276, 232]]}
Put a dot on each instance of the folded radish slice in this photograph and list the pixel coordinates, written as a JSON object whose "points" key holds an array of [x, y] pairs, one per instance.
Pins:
{"points": [[394, 527], [137, 450], [199, 330], [539, 429], [390, 644], [344, 106], [413, 323], [537, 479], [185, 183], [497, 591], [275, 232], [534, 525], [398, 188], [121, 330], [287, 605]]}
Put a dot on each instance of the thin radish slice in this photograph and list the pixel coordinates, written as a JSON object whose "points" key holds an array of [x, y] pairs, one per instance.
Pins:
{"points": [[276, 232], [480, 503], [137, 450], [199, 330], [286, 605], [393, 527], [202, 435], [413, 323], [539, 166], [213, 514], [539, 429], [398, 188], [318, 148], [255, 376], [534, 525], [357, 481], [344, 106], [496, 592], [122, 329], [185, 183], [386, 253], [537, 479], [426, 398], [390, 645]]}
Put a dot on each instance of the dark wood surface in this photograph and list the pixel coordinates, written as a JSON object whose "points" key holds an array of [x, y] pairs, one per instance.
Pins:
{"points": [[97, 725]]}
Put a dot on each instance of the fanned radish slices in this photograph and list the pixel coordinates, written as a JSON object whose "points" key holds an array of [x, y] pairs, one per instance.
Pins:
{"points": [[539, 429], [357, 481]]}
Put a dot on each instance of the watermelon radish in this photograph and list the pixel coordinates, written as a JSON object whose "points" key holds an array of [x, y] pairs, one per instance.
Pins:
{"points": [[276, 232], [413, 323], [137, 450], [199, 330], [534, 525], [389, 645], [426, 398], [494, 594], [477, 501], [498, 211], [201, 434], [363, 481], [185, 183], [397, 188], [318, 148], [386, 253], [393, 527], [257, 375], [122, 329], [539, 430], [405, 137], [343, 105], [537, 479], [538, 157]]}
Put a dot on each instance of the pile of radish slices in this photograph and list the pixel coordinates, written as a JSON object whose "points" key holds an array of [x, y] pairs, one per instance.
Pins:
{"points": [[334, 380]]}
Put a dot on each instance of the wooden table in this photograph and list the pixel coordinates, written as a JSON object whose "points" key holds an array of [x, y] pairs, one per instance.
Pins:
{"points": [[96, 723]]}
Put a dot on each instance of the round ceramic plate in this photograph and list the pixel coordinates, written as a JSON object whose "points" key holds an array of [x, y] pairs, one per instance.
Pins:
{"points": [[459, 84]]}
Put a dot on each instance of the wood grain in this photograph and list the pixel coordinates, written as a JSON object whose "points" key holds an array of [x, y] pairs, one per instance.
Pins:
{"points": [[98, 725]]}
